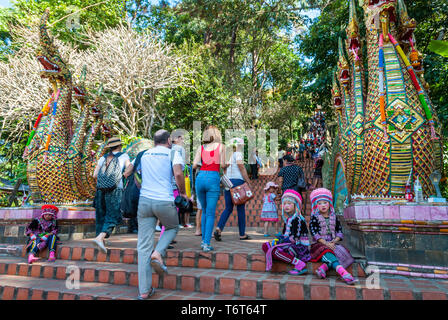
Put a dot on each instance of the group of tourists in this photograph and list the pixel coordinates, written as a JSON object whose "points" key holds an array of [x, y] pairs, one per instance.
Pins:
{"points": [[163, 197]]}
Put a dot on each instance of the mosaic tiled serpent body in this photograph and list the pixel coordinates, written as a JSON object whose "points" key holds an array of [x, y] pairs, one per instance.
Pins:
{"points": [[390, 132], [54, 155]]}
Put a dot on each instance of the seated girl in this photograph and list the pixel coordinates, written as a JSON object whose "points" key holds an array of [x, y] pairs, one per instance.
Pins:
{"points": [[326, 231], [293, 245], [43, 233]]}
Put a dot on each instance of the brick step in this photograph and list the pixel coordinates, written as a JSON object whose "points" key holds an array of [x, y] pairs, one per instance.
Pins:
{"points": [[300, 288], [27, 288], [210, 281], [182, 258]]}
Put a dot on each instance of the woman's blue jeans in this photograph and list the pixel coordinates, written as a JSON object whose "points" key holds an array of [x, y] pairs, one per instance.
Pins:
{"points": [[241, 209], [207, 190]]}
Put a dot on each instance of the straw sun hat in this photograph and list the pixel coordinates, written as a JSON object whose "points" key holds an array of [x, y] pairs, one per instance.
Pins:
{"points": [[113, 142]]}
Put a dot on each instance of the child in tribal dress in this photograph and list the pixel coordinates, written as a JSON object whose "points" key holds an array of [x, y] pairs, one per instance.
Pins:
{"points": [[293, 246], [269, 210], [43, 233], [326, 231]]}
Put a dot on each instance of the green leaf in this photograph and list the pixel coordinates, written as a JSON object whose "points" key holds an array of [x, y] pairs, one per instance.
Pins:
{"points": [[439, 47]]}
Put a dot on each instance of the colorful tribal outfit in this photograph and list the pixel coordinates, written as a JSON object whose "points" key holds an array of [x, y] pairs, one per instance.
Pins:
{"points": [[42, 233], [328, 229], [293, 245]]}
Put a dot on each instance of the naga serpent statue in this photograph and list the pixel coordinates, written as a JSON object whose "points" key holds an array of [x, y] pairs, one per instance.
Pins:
{"points": [[60, 162], [389, 132]]}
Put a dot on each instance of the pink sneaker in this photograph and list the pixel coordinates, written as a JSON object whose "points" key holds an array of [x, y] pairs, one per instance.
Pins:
{"points": [[52, 257], [322, 271]]}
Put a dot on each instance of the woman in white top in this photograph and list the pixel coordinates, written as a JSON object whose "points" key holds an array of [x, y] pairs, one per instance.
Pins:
{"points": [[237, 174]]}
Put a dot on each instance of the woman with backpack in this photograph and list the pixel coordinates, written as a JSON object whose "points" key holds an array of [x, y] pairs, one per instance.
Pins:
{"points": [[109, 190]]}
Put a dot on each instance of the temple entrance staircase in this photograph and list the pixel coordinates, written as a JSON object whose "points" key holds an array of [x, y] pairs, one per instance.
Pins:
{"points": [[235, 270]]}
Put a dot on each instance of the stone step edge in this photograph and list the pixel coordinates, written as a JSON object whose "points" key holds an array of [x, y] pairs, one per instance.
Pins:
{"points": [[251, 287], [190, 258], [289, 291], [42, 292], [19, 266], [413, 271], [254, 262]]}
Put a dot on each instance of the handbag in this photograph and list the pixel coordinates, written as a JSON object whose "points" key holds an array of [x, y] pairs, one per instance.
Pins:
{"points": [[187, 182], [226, 182], [301, 183], [241, 194]]}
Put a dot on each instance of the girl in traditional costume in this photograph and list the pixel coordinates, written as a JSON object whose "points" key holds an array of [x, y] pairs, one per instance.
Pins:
{"points": [[293, 245], [42, 233], [326, 231]]}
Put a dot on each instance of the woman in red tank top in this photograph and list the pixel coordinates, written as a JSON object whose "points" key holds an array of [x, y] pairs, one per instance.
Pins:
{"points": [[212, 156], [210, 159]]}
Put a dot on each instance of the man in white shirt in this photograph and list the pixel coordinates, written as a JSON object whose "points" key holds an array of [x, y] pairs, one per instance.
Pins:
{"points": [[158, 166]]}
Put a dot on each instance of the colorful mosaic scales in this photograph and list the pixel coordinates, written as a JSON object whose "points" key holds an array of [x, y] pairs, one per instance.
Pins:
{"points": [[57, 170], [391, 130]]}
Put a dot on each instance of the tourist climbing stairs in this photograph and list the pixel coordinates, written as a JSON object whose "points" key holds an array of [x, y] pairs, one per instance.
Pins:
{"points": [[254, 206]]}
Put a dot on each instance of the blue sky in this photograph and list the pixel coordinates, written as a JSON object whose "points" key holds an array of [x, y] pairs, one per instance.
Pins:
{"points": [[5, 3]]}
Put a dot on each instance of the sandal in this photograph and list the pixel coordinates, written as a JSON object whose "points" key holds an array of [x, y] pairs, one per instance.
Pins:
{"points": [[100, 245], [158, 267], [296, 272], [217, 235], [246, 238], [321, 273], [151, 293], [348, 278]]}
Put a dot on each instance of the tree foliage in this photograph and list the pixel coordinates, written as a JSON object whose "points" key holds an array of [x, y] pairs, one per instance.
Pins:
{"points": [[250, 63]]}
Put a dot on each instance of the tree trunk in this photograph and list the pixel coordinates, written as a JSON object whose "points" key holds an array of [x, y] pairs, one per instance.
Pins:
{"points": [[232, 47]]}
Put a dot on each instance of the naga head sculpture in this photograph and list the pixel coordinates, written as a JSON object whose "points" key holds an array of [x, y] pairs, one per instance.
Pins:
{"points": [[353, 42], [336, 94], [407, 25], [79, 89], [343, 66], [54, 67], [95, 109], [379, 14], [80, 93], [378, 3], [106, 130]]}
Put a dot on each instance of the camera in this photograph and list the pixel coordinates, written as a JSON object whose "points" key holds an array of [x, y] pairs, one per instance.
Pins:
{"points": [[184, 205]]}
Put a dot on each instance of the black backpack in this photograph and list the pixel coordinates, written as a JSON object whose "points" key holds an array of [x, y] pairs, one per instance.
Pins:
{"points": [[110, 174], [301, 183], [131, 192]]}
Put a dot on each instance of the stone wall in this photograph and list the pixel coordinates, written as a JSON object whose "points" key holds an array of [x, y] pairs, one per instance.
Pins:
{"points": [[74, 223], [409, 234]]}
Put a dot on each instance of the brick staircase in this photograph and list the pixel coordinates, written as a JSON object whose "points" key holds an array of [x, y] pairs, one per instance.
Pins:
{"points": [[235, 270]]}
